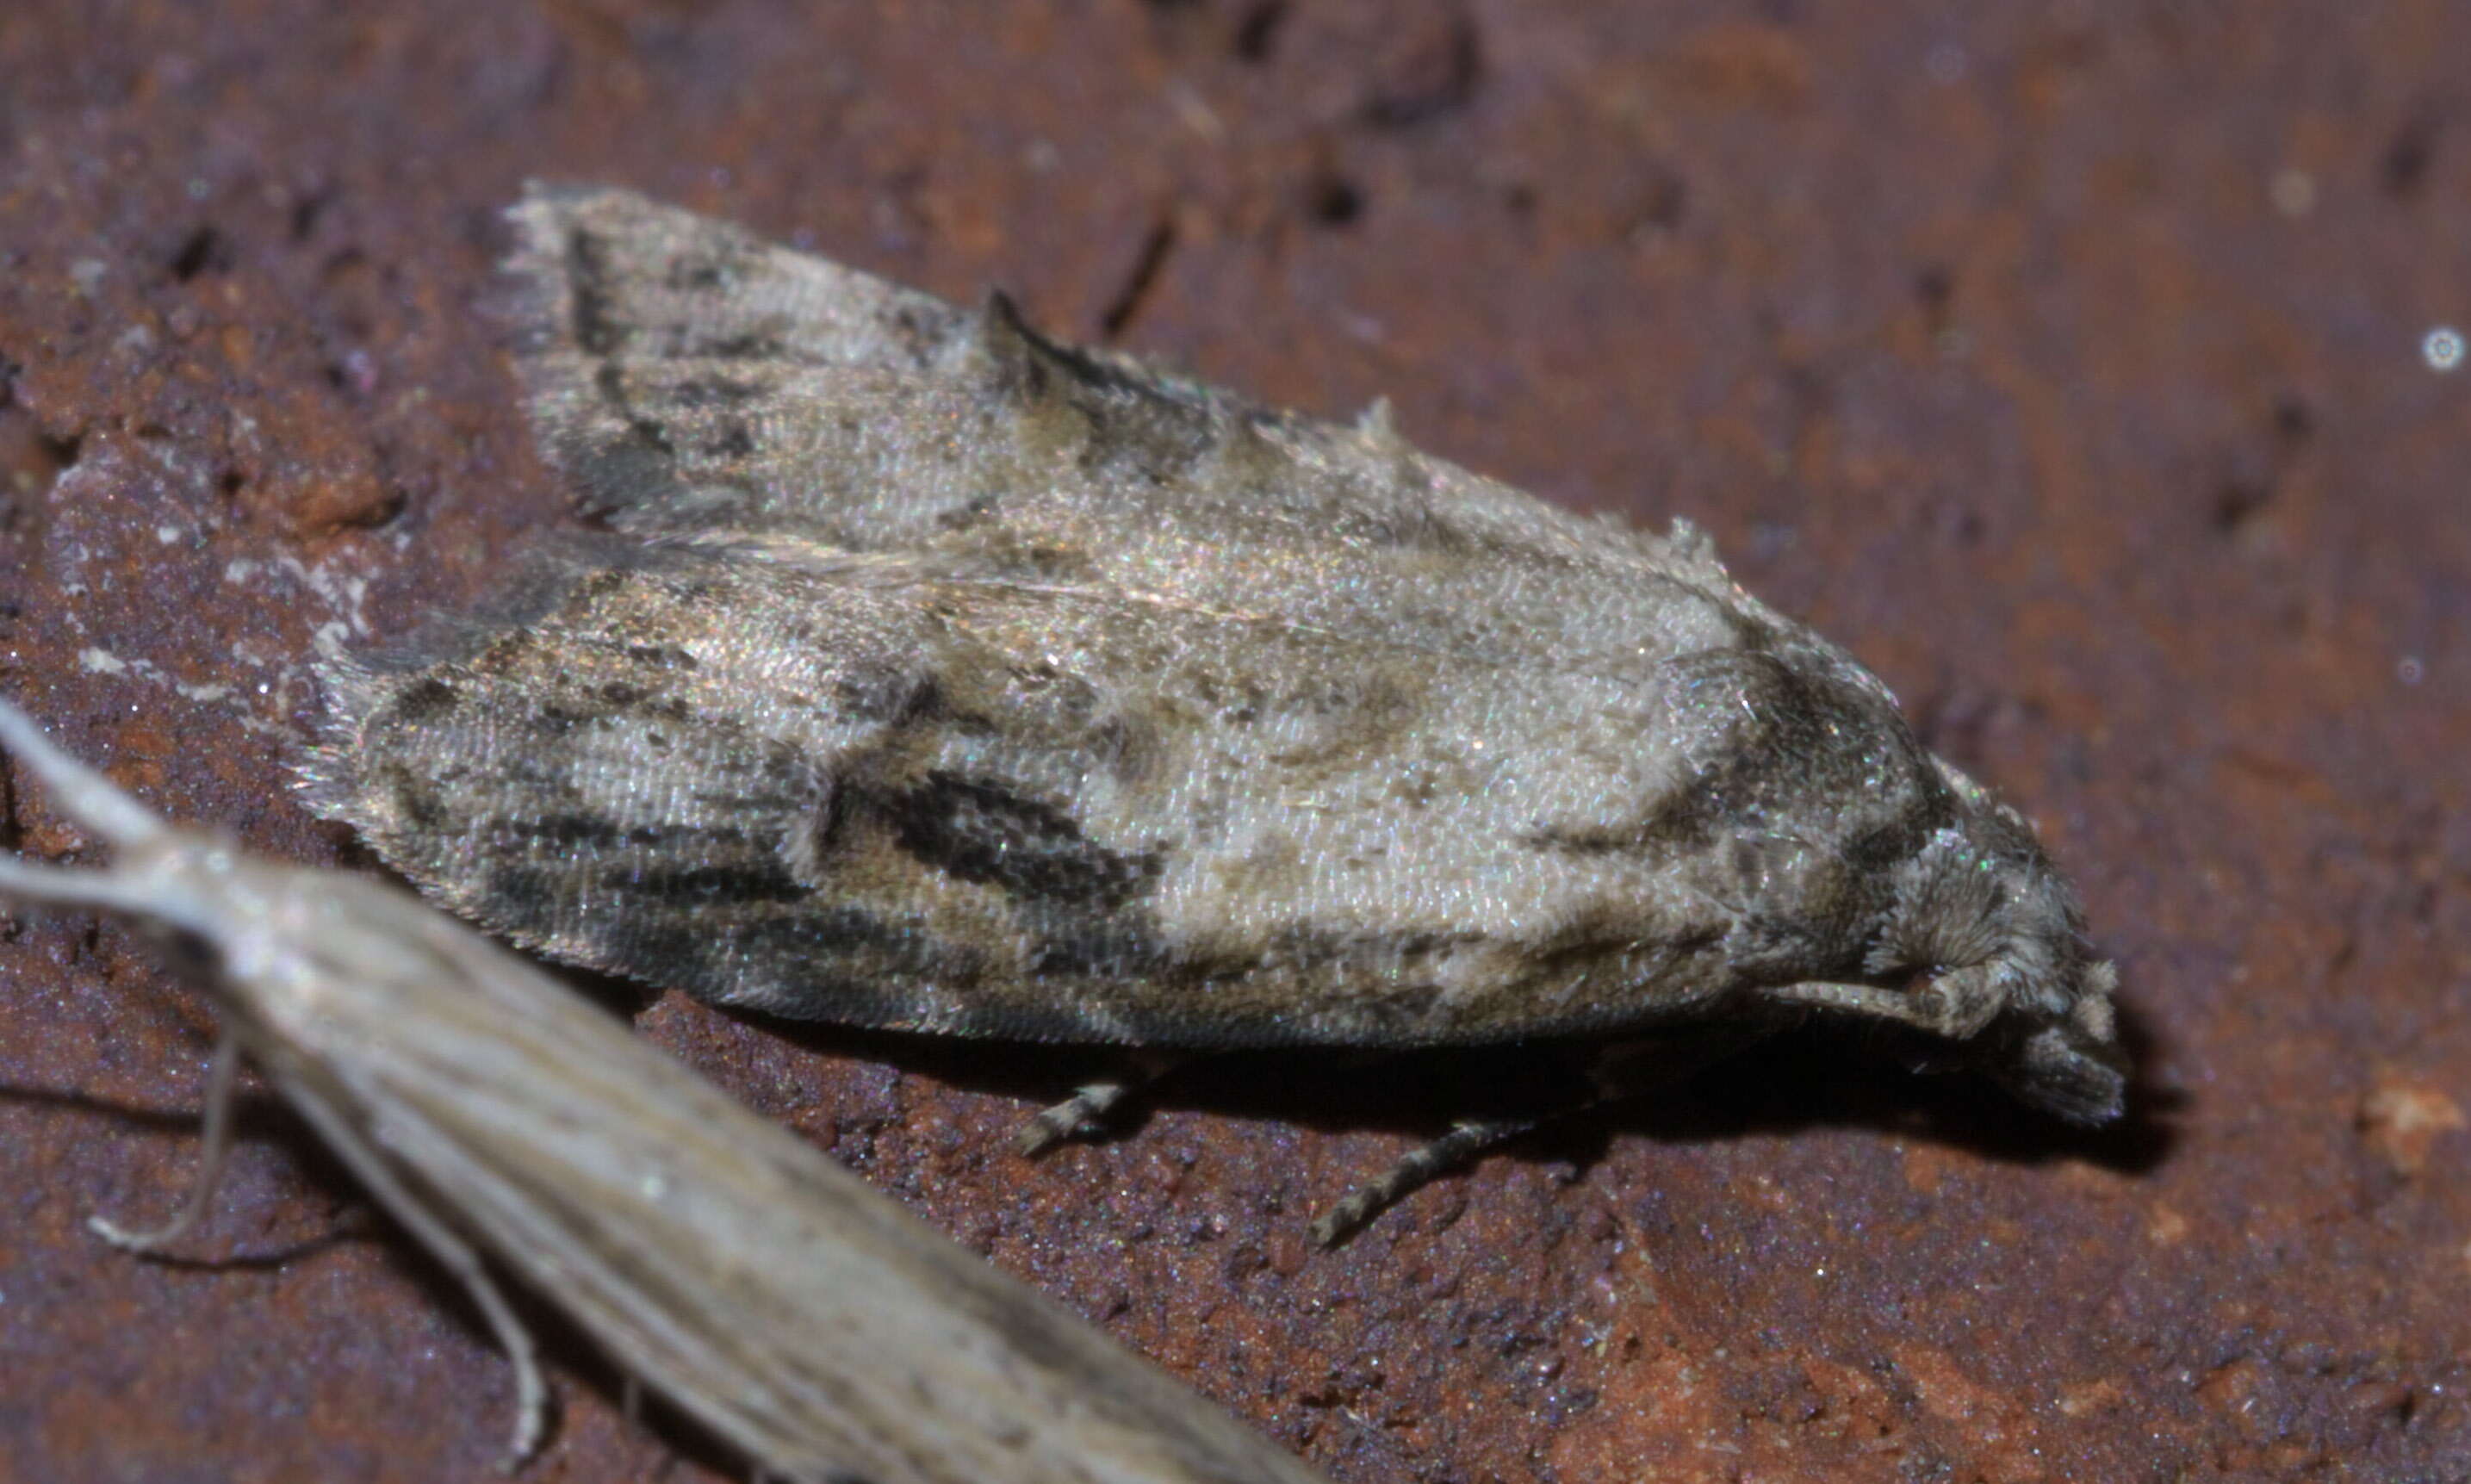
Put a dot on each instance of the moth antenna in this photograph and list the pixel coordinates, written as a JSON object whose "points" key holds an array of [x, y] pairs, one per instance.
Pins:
{"points": [[217, 1136], [84, 793]]}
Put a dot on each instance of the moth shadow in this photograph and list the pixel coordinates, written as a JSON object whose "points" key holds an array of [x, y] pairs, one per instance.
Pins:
{"points": [[1328, 1088], [1815, 1076], [1812, 1077], [257, 1118], [261, 1117]]}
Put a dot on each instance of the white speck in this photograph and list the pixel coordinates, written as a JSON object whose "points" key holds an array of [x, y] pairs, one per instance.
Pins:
{"points": [[240, 569], [2293, 192], [2409, 669], [199, 188], [1946, 63], [2442, 348], [101, 662], [167, 534], [655, 1186], [87, 273], [343, 592], [1194, 112]]}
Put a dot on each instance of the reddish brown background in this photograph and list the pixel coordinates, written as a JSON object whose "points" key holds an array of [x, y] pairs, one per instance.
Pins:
{"points": [[2062, 359]]}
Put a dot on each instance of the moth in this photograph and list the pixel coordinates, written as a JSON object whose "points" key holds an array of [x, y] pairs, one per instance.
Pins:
{"points": [[508, 1124], [929, 673]]}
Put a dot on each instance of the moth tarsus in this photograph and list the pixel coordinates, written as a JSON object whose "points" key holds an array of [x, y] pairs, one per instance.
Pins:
{"points": [[1412, 1171], [935, 675], [214, 1147], [1084, 1114], [1094, 1108]]}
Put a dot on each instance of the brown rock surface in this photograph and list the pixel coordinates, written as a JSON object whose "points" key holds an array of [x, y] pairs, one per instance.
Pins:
{"points": [[2062, 359]]}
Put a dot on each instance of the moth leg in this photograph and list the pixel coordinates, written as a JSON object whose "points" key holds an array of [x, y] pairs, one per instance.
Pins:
{"points": [[1957, 1004], [1617, 1073], [1089, 1111], [452, 1253], [1417, 1169], [217, 1136]]}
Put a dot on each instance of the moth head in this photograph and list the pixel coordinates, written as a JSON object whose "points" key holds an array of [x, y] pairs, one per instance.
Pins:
{"points": [[1991, 942]]}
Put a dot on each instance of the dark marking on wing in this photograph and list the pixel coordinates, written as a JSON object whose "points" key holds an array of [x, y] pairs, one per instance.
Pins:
{"points": [[616, 473], [717, 391], [505, 655], [865, 967], [594, 327], [646, 431], [1081, 938], [549, 718], [977, 510], [1899, 839], [765, 881], [416, 799], [569, 830], [1138, 422], [980, 831], [749, 346], [565, 831], [732, 439], [524, 895], [425, 700], [662, 656], [1801, 737], [899, 696], [689, 273]]}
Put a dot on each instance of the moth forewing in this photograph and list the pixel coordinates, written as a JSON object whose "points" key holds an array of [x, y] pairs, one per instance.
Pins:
{"points": [[771, 1295], [966, 681]]}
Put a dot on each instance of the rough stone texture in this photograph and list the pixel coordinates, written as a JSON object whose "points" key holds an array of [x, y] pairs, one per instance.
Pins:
{"points": [[2062, 358]]}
